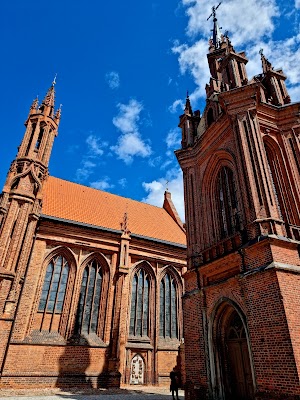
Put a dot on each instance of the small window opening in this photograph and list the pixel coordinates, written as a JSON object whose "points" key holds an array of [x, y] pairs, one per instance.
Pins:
{"points": [[210, 117], [40, 137]]}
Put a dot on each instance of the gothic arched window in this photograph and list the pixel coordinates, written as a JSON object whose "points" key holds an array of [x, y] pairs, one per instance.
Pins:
{"points": [[139, 314], [226, 201], [54, 288], [52, 308], [89, 300], [168, 308]]}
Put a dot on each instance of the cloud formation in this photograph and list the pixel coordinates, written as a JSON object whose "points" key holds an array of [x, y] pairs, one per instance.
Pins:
{"points": [[89, 161], [156, 189], [102, 184], [113, 79], [255, 30], [130, 143]]}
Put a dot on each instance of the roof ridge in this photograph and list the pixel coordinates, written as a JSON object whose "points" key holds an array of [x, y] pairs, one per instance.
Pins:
{"points": [[112, 194]]}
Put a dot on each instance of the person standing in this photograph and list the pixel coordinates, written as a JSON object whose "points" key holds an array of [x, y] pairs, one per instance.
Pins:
{"points": [[174, 383]]}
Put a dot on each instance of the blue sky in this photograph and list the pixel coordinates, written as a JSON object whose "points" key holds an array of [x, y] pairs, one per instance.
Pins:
{"points": [[123, 72]]}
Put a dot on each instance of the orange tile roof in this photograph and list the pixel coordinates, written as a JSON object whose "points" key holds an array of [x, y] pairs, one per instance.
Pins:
{"points": [[71, 201]]}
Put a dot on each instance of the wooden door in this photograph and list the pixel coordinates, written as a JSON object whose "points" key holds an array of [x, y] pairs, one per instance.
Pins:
{"points": [[238, 368]]}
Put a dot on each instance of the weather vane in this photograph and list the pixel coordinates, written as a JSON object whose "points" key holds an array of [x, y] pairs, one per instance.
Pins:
{"points": [[213, 14], [167, 184]]}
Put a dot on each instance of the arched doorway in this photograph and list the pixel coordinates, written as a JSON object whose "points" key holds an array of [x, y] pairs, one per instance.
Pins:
{"points": [[232, 373], [237, 360], [235, 363], [137, 370]]}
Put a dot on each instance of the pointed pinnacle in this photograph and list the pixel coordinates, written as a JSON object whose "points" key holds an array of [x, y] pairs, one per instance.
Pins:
{"points": [[50, 96], [35, 104]]}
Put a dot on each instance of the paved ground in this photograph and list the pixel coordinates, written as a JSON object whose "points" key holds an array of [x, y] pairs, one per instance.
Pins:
{"points": [[126, 393]]}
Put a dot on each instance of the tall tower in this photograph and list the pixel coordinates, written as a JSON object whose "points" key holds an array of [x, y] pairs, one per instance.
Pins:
{"points": [[240, 162], [21, 200]]}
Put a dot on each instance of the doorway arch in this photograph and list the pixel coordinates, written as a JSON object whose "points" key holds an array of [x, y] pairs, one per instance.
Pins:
{"points": [[137, 370], [233, 370]]}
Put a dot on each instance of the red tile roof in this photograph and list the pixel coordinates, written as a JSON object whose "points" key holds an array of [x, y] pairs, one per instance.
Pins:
{"points": [[71, 201]]}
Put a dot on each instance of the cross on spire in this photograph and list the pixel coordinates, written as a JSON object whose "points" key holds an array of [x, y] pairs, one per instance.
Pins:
{"points": [[216, 39], [214, 8]]}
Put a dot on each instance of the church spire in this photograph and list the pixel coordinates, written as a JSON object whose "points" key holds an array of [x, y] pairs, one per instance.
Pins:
{"points": [[217, 38], [48, 103], [188, 108]]}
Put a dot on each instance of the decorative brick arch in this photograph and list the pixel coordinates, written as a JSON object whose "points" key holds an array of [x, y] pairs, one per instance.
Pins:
{"points": [[218, 324], [286, 195], [221, 159]]}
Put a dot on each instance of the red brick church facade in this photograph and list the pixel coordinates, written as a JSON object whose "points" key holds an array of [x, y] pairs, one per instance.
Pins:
{"points": [[90, 282], [241, 166]]}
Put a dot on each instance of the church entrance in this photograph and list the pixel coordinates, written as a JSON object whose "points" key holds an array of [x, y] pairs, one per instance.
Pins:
{"points": [[237, 374], [137, 370]]}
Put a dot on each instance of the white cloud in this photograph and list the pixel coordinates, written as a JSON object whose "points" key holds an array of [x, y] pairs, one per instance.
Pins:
{"points": [[250, 33], [173, 139], [113, 79], [89, 160], [102, 184], [94, 145], [177, 106], [130, 143], [85, 170], [122, 182], [255, 23], [156, 189]]}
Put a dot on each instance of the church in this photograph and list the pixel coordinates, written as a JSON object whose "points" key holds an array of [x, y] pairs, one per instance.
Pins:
{"points": [[90, 282], [98, 290], [241, 165]]}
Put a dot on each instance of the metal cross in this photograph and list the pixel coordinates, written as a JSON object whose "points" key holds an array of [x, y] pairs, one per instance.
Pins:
{"points": [[213, 14]]}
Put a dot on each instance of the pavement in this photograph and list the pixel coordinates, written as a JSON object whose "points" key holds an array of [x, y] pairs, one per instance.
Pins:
{"points": [[126, 393]]}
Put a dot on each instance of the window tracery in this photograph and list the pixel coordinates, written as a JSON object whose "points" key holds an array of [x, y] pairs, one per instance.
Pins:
{"points": [[168, 316], [89, 299], [139, 313]]}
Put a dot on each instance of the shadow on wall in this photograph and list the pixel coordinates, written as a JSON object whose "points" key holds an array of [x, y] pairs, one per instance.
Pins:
{"points": [[75, 361]]}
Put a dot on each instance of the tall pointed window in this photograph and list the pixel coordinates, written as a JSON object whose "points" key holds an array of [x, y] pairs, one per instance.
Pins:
{"points": [[227, 204], [168, 308], [52, 311], [89, 300], [54, 288], [139, 314]]}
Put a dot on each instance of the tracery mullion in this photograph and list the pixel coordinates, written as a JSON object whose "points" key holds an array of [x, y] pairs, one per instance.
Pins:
{"points": [[170, 307], [93, 298], [174, 310], [48, 294], [227, 204], [163, 306], [57, 291], [85, 299], [82, 298], [146, 306], [97, 296], [142, 308], [136, 303]]}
